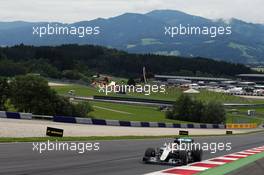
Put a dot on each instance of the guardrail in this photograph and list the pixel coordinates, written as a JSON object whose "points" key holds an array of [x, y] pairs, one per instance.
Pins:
{"points": [[42, 117], [245, 94], [15, 115], [91, 121]]}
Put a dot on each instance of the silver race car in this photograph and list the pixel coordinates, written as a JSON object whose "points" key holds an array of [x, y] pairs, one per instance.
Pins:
{"points": [[181, 152]]}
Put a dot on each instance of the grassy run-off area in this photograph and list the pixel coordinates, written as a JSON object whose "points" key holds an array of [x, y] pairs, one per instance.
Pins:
{"points": [[242, 117], [224, 169], [171, 94], [127, 112]]}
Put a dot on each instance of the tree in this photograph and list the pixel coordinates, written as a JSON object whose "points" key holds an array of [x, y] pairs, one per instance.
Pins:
{"points": [[214, 113], [42, 67], [4, 92], [189, 109], [57, 59], [181, 110], [197, 111], [32, 94], [183, 107], [82, 109], [10, 68], [72, 74], [131, 82], [62, 106]]}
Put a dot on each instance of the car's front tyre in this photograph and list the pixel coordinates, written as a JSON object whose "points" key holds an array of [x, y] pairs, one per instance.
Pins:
{"points": [[183, 155], [197, 155], [150, 152]]}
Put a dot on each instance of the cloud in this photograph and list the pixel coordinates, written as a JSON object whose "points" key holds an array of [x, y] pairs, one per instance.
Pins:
{"points": [[77, 10]]}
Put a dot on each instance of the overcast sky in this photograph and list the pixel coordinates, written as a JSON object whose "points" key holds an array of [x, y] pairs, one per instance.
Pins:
{"points": [[77, 10]]}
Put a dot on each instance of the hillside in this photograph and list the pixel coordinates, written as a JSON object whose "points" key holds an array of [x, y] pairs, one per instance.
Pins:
{"points": [[80, 62], [144, 33]]}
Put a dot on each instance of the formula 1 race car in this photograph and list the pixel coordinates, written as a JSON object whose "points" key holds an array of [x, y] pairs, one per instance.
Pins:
{"points": [[168, 155]]}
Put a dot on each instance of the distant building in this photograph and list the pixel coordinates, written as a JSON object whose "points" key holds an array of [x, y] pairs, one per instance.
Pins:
{"points": [[258, 78], [178, 81], [101, 81], [186, 78], [191, 91]]}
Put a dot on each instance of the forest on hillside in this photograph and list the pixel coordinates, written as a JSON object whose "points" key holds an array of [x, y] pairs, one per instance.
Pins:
{"points": [[79, 62]]}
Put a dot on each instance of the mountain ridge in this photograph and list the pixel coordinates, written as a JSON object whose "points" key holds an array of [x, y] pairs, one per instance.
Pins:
{"points": [[144, 33]]}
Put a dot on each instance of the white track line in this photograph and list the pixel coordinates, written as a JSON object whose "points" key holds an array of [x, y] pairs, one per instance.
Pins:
{"points": [[195, 168], [259, 149], [212, 162], [253, 151], [225, 158], [112, 110], [238, 155], [248, 153]]}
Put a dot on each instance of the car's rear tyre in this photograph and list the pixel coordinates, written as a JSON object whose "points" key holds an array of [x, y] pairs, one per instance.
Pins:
{"points": [[183, 157], [150, 152], [197, 155]]}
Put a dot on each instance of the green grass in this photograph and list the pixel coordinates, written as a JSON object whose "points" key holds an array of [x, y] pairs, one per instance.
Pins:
{"points": [[171, 94], [242, 117], [127, 112], [206, 96], [259, 110], [80, 90], [229, 167], [152, 114]]}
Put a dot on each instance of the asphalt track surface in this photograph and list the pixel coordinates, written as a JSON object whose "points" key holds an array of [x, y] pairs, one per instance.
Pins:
{"points": [[114, 158]]}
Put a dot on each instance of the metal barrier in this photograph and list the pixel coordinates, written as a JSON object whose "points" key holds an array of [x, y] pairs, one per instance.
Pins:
{"points": [[92, 121]]}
